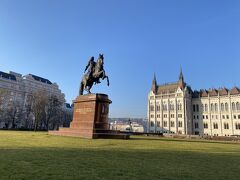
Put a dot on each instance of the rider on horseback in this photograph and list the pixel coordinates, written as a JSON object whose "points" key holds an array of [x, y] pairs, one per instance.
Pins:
{"points": [[95, 72], [91, 67]]}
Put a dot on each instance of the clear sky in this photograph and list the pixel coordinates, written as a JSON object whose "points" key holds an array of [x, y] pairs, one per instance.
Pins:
{"points": [[55, 38]]}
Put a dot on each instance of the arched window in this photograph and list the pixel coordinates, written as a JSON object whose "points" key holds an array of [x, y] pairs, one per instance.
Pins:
{"points": [[164, 106], [206, 108], [179, 106], [233, 106], [216, 107], [194, 108], [152, 108], [202, 107], [237, 125], [238, 106], [222, 107], [205, 125], [212, 107], [197, 108], [215, 125], [226, 126], [171, 106], [152, 124], [226, 107]]}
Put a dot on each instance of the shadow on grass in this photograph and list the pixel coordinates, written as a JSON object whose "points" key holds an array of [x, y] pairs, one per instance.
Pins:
{"points": [[67, 163]]}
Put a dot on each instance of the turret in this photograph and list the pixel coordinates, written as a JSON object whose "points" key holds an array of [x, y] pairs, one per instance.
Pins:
{"points": [[181, 80], [154, 84]]}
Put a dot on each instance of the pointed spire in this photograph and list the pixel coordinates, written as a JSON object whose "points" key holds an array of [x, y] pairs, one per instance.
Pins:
{"points": [[181, 79], [154, 84], [154, 78], [181, 74]]}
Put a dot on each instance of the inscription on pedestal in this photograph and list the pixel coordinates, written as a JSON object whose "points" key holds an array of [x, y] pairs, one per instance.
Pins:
{"points": [[84, 110]]}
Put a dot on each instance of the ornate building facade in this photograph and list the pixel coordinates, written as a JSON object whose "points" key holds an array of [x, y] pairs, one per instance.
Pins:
{"points": [[174, 108]]}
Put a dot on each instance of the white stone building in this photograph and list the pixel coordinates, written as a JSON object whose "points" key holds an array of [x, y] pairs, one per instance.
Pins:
{"points": [[15, 90], [20, 87], [175, 108], [216, 112]]}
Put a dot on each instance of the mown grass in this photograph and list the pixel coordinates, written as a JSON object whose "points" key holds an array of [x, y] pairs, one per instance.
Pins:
{"points": [[29, 155]]}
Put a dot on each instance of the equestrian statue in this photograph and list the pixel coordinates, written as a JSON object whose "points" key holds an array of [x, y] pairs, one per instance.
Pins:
{"points": [[95, 72]]}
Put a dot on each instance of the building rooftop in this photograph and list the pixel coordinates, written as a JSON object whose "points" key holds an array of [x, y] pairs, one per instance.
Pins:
{"points": [[165, 88], [43, 80], [8, 76], [216, 92], [169, 87], [173, 87]]}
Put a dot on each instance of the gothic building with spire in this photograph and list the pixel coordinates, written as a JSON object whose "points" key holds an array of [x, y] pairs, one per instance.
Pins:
{"points": [[174, 108]]}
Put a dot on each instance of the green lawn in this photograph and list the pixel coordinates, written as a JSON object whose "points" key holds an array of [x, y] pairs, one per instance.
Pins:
{"points": [[29, 155]]}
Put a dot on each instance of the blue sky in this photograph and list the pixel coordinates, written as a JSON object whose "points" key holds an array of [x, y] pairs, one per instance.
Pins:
{"points": [[55, 38]]}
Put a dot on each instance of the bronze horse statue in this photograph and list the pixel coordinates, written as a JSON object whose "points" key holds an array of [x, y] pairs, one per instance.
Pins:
{"points": [[95, 73]]}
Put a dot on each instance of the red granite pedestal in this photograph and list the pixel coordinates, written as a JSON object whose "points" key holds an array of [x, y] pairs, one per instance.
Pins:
{"points": [[90, 119]]}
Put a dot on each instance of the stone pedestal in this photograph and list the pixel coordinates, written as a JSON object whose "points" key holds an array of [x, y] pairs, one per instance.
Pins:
{"points": [[90, 119]]}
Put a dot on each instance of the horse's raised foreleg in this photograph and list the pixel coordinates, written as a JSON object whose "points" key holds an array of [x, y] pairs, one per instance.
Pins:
{"points": [[104, 76], [108, 83], [107, 80]]}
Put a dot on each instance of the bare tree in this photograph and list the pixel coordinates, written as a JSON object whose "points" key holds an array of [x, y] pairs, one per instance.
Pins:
{"points": [[27, 121], [4, 100], [53, 111], [40, 111], [14, 114], [67, 116], [39, 103], [1, 105]]}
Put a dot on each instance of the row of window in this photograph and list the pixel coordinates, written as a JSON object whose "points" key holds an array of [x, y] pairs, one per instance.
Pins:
{"points": [[215, 125], [213, 134], [166, 107], [169, 132], [166, 116], [196, 125], [216, 117], [165, 124], [214, 107]]}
